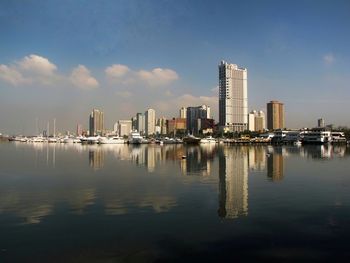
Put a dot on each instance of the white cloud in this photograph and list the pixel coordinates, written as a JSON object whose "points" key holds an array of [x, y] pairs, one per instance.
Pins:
{"points": [[328, 59], [32, 69], [123, 75], [11, 75], [158, 76], [37, 65], [82, 78], [117, 71]]}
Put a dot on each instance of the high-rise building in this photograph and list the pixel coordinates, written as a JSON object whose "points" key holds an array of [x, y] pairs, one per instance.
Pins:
{"points": [[251, 120], [140, 123], [161, 122], [320, 123], [176, 125], [79, 130], [124, 127], [233, 97], [256, 121], [96, 122], [195, 113], [260, 121], [183, 112], [275, 115], [150, 121]]}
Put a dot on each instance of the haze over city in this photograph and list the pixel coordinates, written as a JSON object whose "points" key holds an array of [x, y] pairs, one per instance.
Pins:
{"points": [[60, 59]]}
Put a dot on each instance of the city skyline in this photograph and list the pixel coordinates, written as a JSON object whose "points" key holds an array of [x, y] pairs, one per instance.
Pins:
{"points": [[126, 56]]}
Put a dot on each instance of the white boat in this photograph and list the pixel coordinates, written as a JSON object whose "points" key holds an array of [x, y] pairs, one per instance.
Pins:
{"points": [[297, 143], [208, 139], [90, 140], [111, 140], [168, 140], [37, 139], [52, 140], [135, 138]]}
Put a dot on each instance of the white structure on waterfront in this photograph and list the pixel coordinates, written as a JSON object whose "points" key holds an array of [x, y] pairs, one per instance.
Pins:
{"points": [[150, 121], [233, 97]]}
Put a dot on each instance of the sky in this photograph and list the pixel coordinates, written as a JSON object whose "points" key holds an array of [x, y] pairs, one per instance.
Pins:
{"points": [[61, 59]]}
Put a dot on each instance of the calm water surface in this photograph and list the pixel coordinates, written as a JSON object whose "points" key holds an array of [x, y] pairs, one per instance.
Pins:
{"points": [[119, 203]]}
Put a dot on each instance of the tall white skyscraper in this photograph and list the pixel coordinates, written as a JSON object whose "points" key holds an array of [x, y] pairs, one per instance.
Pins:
{"points": [[233, 97], [183, 112], [150, 121]]}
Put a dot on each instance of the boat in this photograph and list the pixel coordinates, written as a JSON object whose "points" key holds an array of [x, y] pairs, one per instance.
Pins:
{"points": [[191, 139], [90, 140], [297, 143], [111, 140], [168, 140], [317, 136], [208, 139], [135, 138], [37, 139]]}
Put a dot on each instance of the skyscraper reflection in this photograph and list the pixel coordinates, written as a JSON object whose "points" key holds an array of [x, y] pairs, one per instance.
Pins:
{"points": [[275, 165], [233, 182], [96, 158]]}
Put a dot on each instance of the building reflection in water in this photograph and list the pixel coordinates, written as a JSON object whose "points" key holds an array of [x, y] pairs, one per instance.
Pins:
{"points": [[233, 182], [275, 165], [96, 158], [198, 160]]}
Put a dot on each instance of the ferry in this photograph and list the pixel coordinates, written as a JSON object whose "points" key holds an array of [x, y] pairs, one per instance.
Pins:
{"points": [[135, 138], [317, 136]]}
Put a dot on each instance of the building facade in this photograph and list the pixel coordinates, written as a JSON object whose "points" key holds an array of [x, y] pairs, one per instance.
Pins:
{"points": [[183, 112], [321, 123], [162, 124], [150, 121], [233, 97], [96, 123], [195, 113], [256, 121], [124, 127], [176, 125], [275, 115], [140, 123]]}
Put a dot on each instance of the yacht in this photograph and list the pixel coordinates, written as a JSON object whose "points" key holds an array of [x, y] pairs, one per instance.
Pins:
{"points": [[208, 139], [90, 140], [111, 140], [191, 139], [168, 140], [135, 138]]}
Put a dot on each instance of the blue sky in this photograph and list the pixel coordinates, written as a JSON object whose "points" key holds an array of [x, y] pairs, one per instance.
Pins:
{"points": [[59, 59]]}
